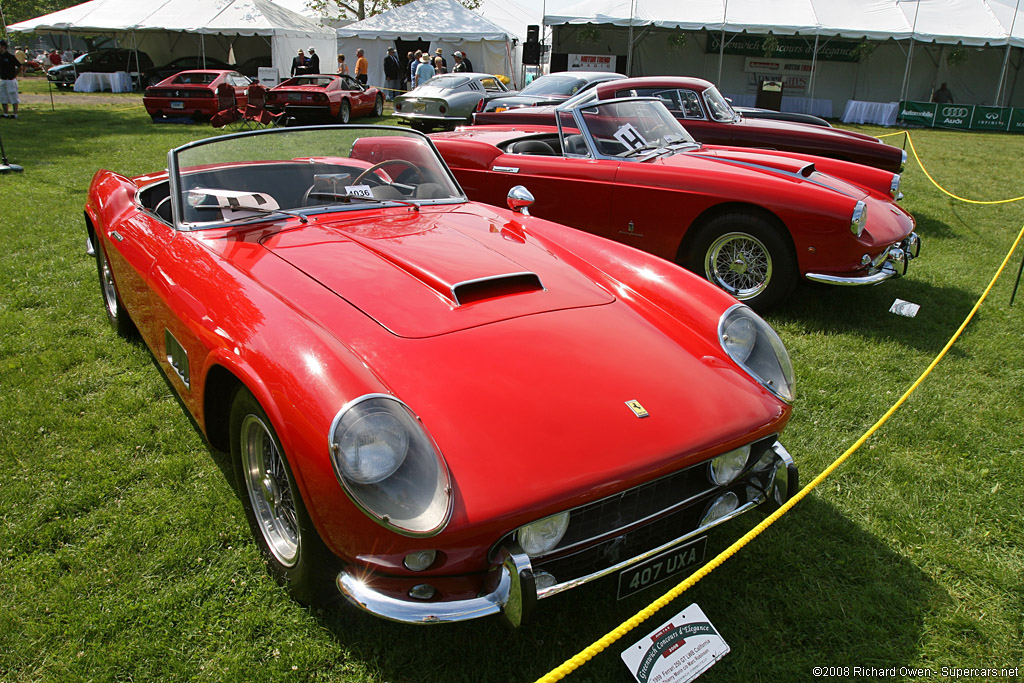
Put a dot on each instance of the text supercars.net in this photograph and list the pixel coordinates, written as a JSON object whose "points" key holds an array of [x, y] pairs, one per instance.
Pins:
{"points": [[914, 672]]}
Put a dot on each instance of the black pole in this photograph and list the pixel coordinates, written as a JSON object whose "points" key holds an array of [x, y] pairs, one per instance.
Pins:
{"points": [[6, 167], [1015, 284]]}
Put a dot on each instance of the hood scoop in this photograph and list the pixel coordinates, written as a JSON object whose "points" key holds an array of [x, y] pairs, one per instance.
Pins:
{"points": [[496, 286]]}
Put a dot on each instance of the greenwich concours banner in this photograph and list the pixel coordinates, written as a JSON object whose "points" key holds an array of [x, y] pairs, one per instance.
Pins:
{"points": [[785, 47], [962, 116]]}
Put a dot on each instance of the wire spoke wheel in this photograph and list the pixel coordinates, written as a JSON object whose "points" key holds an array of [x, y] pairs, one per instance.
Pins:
{"points": [[740, 264], [269, 490], [107, 284]]}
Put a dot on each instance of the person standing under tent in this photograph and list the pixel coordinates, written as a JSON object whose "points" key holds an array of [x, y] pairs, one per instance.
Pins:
{"points": [[342, 66], [314, 61], [424, 72], [362, 67], [392, 74], [299, 63]]}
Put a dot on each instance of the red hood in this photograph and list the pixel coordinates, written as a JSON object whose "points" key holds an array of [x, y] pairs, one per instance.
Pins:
{"points": [[421, 274]]}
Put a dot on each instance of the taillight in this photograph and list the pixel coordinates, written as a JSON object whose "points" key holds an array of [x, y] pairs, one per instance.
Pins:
{"points": [[480, 105], [443, 108], [398, 106], [320, 97]]}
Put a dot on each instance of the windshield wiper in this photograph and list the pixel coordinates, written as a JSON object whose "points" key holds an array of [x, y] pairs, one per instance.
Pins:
{"points": [[349, 197]]}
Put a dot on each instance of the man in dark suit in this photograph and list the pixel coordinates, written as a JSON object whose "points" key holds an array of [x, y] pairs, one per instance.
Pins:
{"points": [[313, 62], [392, 75]]}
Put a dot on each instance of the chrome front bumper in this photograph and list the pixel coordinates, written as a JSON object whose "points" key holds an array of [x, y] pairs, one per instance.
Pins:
{"points": [[510, 588], [889, 264]]}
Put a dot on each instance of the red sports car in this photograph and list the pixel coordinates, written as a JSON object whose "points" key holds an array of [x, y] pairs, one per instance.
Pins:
{"points": [[751, 221], [710, 119], [338, 98], [441, 409], [193, 93]]}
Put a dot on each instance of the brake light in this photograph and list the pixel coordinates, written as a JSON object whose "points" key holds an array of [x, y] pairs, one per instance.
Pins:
{"points": [[442, 108], [480, 105]]}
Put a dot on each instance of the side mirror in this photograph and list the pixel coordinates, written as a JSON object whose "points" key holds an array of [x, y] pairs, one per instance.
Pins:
{"points": [[520, 200]]}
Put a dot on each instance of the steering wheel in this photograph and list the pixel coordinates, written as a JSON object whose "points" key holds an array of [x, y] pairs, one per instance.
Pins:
{"points": [[380, 164]]}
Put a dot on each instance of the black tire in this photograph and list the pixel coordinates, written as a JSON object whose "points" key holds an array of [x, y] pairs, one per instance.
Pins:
{"points": [[291, 546], [745, 256], [117, 316], [344, 112], [378, 106]]}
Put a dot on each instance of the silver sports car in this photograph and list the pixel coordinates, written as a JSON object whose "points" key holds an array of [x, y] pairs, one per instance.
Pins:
{"points": [[448, 100]]}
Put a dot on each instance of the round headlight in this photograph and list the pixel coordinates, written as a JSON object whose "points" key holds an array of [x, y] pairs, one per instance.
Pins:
{"points": [[724, 505], [756, 348], [374, 447], [543, 535], [389, 466], [727, 466]]}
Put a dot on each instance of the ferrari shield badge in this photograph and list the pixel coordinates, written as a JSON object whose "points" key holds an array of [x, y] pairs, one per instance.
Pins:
{"points": [[637, 409]]}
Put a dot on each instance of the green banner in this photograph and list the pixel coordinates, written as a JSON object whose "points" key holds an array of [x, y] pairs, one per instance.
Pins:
{"points": [[954, 116], [784, 47], [1017, 121], [919, 113], [990, 118], [962, 116]]}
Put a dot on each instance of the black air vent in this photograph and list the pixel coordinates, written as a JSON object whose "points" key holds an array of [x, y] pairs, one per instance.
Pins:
{"points": [[494, 287]]}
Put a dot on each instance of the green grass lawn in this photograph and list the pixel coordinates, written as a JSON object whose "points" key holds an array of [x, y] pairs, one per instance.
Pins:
{"points": [[124, 552]]}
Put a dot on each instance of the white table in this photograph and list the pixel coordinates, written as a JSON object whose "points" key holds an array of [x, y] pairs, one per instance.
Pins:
{"points": [[92, 81], [882, 113], [815, 106]]}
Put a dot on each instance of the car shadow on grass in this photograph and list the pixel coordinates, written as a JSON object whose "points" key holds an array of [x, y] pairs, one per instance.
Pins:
{"points": [[865, 312], [814, 590]]}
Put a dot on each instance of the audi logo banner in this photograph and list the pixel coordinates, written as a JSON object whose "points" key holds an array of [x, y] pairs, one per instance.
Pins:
{"points": [[962, 116]]}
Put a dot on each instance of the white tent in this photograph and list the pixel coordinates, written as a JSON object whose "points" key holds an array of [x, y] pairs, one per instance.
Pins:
{"points": [[914, 45], [217, 28], [444, 24]]}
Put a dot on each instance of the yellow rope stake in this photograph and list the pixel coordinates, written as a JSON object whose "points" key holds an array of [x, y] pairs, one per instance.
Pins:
{"points": [[625, 627], [942, 189]]}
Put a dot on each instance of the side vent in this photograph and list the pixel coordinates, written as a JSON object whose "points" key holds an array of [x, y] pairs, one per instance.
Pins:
{"points": [[177, 357], [495, 287]]}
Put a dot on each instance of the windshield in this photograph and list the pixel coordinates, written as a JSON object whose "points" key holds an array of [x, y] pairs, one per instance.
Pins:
{"points": [[629, 128], [719, 106], [243, 177], [547, 86], [309, 81]]}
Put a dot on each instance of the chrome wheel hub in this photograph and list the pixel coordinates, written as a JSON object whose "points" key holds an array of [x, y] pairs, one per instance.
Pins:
{"points": [[740, 264], [269, 490]]}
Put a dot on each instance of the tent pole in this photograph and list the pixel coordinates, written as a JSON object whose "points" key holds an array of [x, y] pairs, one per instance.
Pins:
{"points": [[629, 54], [910, 53], [814, 62], [721, 43], [1006, 59]]}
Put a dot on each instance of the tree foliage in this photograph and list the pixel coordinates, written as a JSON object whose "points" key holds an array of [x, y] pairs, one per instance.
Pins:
{"points": [[360, 9], [21, 10]]}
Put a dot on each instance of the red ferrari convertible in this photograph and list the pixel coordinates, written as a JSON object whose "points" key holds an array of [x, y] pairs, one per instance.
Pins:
{"points": [[338, 98], [753, 222], [193, 93], [441, 409], [710, 119]]}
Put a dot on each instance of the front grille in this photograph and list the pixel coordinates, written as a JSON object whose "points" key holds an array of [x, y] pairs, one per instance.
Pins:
{"points": [[630, 523], [655, 498]]}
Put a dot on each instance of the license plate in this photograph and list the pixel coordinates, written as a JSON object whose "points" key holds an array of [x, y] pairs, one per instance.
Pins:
{"points": [[177, 105], [660, 567], [294, 96], [419, 106]]}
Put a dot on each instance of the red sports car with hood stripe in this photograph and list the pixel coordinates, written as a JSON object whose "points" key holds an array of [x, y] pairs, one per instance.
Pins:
{"points": [[753, 222]]}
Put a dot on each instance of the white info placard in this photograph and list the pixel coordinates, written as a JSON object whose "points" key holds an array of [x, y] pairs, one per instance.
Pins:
{"points": [[678, 651]]}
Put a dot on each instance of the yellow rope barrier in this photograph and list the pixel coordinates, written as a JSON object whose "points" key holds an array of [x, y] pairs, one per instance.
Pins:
{"points": [[625, 627], [942, 189]]}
